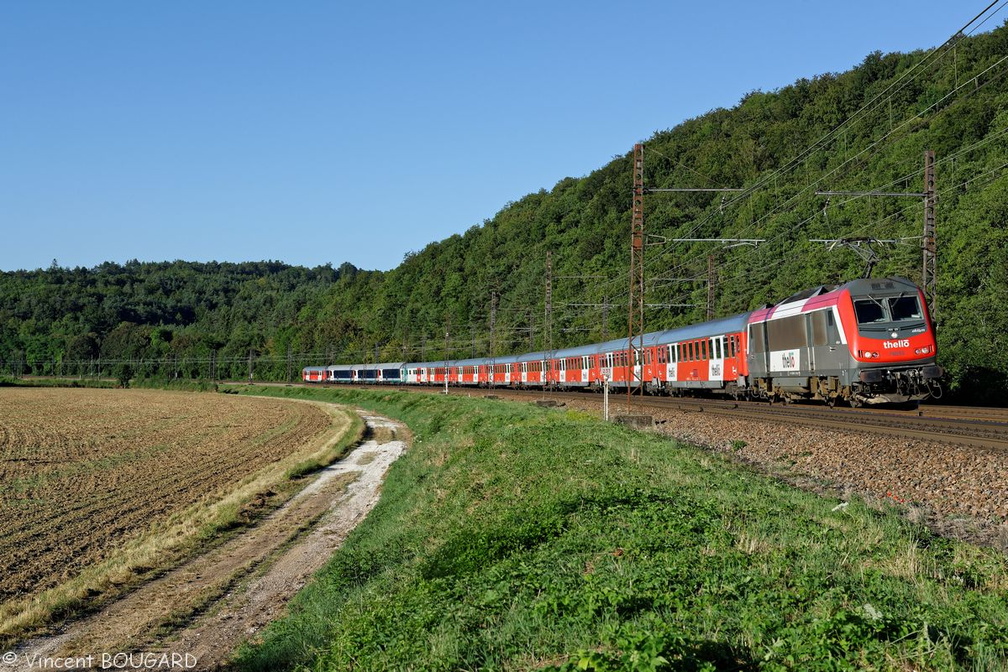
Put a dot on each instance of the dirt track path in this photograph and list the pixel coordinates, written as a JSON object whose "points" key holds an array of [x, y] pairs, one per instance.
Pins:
{"points": [[231, 606]]}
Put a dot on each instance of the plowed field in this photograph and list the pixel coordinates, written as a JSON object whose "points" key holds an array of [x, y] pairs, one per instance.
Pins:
{"points": [[84, 471]]}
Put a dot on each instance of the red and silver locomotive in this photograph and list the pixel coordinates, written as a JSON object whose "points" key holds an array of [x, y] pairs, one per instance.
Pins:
{"points": [[867, 341]]}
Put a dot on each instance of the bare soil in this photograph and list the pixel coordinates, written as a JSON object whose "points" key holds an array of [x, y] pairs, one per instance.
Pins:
{"points": [[83, 471], [196, 615]]}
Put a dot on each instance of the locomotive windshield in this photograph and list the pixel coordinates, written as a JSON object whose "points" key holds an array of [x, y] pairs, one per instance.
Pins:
{"points": [[904, 308], [887, 310]]}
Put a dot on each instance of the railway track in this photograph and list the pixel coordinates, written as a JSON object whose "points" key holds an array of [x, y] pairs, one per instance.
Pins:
{"points": [[942, 428], [981, 428]]}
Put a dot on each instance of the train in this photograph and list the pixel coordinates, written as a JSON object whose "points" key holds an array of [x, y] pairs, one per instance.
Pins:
{"points": [[865, 342]]}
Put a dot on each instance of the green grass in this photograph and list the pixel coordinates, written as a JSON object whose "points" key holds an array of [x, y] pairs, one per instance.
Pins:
{"points": [[513, 537]]}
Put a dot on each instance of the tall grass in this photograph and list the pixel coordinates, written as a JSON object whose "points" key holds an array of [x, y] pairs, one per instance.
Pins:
{"points": [[513, 537]]}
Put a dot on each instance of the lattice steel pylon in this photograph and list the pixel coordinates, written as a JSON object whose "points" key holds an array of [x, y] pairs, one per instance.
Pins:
{"points": [[711, 286], [548, 305], [636, 310], [929, 281]]}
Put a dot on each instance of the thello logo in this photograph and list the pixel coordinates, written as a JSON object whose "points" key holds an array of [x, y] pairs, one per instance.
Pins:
{"points": [[902, 343]]}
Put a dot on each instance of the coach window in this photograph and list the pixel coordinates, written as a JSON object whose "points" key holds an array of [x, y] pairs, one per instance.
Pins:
{"points": [[717, 346], [703, 349]]}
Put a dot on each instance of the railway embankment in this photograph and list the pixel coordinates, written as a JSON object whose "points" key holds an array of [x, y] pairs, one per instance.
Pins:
{"points": [[951, 479], [515, 536]]}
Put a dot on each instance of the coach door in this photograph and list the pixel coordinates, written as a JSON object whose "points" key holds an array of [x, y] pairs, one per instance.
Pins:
{"points": [[672, 362], [715, 351]]}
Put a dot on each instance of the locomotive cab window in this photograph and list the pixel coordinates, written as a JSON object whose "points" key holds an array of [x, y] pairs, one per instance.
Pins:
{"points": [[869, 311], [905, 308]]}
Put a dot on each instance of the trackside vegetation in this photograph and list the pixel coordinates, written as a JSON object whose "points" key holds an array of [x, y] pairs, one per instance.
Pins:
{"points": [[514, 537]]}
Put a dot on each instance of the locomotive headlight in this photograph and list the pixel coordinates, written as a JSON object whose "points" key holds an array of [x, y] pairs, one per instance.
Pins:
{"points": [[873, 355]]}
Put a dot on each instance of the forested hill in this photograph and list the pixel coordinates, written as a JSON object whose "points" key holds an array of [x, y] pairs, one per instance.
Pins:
{"points": [[865, 130], [175, 318]]}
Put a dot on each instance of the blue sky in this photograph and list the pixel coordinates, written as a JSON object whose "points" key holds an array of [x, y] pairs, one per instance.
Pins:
{"points": [[315, 132]]}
